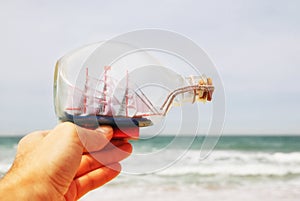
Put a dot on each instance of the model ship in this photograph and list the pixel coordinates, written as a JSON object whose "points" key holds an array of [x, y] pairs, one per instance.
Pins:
{"points": [[99, 104]]}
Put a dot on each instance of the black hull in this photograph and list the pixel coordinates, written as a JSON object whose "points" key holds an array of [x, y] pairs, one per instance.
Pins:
{"points": [[91, 121]]}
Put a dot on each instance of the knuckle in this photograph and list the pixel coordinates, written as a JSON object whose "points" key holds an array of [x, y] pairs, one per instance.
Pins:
{"points": [[23, 141], [69, 131], [67, 127], [27, 138]]}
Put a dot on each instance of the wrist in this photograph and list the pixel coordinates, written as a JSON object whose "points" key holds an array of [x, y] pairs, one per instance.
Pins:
{"points": [[11, 190], [14, 187]]}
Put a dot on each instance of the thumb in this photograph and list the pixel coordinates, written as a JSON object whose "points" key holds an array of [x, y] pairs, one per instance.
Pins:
{"points": [[94, 140]]}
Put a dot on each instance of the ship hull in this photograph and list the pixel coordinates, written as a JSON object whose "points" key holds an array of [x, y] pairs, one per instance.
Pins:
{"points": [[93, 121]]}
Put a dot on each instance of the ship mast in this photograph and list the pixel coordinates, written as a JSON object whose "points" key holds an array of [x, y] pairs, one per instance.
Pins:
{"points": [[106, 69], [123, 110], [126, 95], [85, 90]]}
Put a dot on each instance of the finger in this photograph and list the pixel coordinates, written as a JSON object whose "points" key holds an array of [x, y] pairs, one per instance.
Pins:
{"points": [[86, 139], [94, 140], [111, 145], [96, 178], [115, 143], [96, 160]]}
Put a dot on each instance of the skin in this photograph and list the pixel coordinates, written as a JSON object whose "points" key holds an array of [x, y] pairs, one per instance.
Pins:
{"points": [[63, 164]]}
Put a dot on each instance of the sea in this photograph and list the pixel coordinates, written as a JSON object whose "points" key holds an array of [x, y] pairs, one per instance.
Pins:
{"points": [[238, 168]]}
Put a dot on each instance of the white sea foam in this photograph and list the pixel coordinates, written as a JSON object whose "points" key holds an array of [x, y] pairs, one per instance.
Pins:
{"points": [[224, 175], [235, 163]]}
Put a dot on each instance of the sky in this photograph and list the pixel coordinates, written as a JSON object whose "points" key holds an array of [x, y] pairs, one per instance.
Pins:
{"points": [[254, 44]]}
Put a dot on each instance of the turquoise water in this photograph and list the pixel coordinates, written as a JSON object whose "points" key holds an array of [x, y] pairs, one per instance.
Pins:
{"points": [[242, 143], [250, 149], [9, 142], [239, 168]]}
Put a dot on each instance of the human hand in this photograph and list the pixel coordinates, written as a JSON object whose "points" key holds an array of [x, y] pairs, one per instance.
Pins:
{"points": [[57, 165]]}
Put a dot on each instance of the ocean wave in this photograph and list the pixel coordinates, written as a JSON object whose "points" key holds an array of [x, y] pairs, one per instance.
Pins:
{"points": [[233, 170], [234, 163], [277, 157]]}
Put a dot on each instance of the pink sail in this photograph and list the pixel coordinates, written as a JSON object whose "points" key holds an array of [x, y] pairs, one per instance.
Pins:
{"points": [[98, 98]]}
